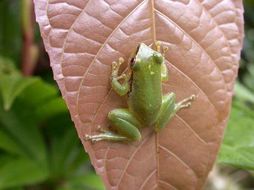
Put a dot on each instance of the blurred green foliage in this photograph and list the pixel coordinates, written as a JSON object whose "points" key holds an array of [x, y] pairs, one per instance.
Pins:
{"points": [[39, 148]]}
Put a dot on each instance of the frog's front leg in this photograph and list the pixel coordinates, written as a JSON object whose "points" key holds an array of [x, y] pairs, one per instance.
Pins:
{"points": [[120, 88], [164, 70], [169, 108], [125, 125]]}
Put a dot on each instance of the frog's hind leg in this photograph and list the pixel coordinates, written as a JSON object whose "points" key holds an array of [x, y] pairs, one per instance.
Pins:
{"points": [[123, 123], [169, 108], [167, 111]]}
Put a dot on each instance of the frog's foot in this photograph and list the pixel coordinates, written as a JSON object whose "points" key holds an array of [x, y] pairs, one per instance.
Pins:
{"points": [[108, 136], [161, 49], [116, 66], [186, 103], [104, 135], [120, 87], [124, 76], [115, 70]]}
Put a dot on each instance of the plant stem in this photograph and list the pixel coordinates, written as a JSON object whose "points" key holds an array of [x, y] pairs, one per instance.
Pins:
{"points": [[29, 49]]}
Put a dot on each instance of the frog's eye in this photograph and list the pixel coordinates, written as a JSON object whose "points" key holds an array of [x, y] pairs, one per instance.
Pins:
{"points": [[132, 62], [158, 58], [134, 54]]}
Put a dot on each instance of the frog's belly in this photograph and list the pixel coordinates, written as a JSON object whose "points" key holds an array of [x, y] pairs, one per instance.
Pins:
{"points": [[145, 108]]}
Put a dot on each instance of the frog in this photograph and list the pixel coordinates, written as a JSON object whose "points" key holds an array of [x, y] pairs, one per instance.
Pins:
{"points": [[142, 83]]}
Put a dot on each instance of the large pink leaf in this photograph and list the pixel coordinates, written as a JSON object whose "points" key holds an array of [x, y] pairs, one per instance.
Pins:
{"points": [[204, 37]]}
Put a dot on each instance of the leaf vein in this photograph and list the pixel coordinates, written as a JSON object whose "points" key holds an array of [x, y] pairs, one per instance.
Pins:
{"points": [[178, 158], [167, 184], [129, 161], [190, 37], [147, 179], [217, 26]]}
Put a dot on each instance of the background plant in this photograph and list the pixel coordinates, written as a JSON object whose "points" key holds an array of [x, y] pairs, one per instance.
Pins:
{"points": [[39, 148]]}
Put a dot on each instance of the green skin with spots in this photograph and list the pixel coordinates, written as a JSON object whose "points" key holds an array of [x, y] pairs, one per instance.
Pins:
{"points": [[147, 106]]}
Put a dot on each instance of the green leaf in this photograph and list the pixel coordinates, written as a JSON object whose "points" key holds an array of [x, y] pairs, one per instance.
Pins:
{"points": [[21, 126], [11, 87], [242, 93], [38, 94], [52, 108], [238, 146], [18, 172], [87, 182], [25, 133], [44, 100], [65, 154], [8, 144], [11, 83], [248, 77], [15, 188]]}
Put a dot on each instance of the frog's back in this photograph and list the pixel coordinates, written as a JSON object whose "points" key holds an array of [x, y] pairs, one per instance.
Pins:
{"points": [[145, 96]]}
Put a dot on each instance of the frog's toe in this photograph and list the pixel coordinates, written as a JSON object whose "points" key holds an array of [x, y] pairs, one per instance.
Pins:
{"points": [[114, 65], [185, 105], [193, 97], [164, 50], [120, 60], [87, 137], [96, 140], [158, 46], [93, 138]]}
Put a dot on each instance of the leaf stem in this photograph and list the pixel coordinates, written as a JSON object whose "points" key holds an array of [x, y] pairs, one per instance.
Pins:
{"points": [[29, 48]]}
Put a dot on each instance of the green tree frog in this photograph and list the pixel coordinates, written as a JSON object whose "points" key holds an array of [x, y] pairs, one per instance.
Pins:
{"points": [[147, 106]]}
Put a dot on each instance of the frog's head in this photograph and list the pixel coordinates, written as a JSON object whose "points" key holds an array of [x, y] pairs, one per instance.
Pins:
{"points": [[146, 54]]}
